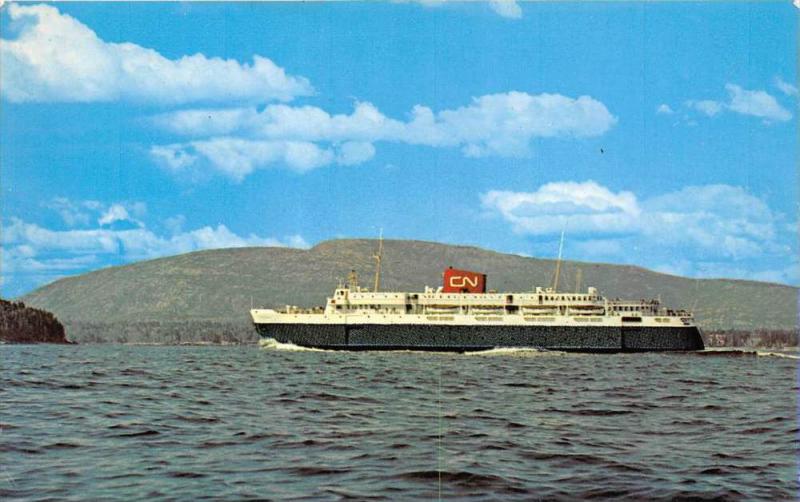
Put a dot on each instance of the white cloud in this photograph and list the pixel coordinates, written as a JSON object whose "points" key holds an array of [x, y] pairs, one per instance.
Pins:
{"points": [[173, 157], [36, 254], [506, 8], [722, 217], [664, 109], [578, 207], [174, 224], [355, 152], [424, 3], [491, 125], [135, 243], [22, 269], [21, 258], [297, 241], [117, 213], [57, 58], [83, 213], [504, 124], [755, 103], [236, 158], [72, 214], [520, 115], [39, 254], [706, 106], [700, 231], [785, 87], [710, 222]]}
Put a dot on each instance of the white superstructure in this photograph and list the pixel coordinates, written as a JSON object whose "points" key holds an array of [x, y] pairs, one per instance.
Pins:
{"points": [[352, 304]]}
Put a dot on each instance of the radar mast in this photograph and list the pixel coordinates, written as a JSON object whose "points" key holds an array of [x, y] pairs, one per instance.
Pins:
{"points": [[558, 263]]}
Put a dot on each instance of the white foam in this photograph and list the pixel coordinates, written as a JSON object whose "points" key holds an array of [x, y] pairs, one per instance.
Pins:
{"points": [[777, 354], [516, 351], [753, 352], [272, 344]]}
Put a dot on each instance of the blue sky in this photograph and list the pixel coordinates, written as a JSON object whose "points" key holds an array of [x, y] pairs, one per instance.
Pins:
{"points": [[661, 134]]}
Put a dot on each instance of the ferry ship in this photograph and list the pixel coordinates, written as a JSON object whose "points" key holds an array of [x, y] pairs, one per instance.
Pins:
{"points": [[462, 316]]}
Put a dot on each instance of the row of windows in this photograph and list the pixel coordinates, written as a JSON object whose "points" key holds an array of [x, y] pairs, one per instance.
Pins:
{"points": [[368, 307], [627, 308], [457, 296]]}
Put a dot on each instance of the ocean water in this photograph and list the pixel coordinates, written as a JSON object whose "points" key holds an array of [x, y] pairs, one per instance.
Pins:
{"points": [[143, 422]]}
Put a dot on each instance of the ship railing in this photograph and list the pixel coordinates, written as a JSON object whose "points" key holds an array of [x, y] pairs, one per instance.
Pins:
{"points": [[486, 310], [291, 309], [586, 307], [539, 308]]}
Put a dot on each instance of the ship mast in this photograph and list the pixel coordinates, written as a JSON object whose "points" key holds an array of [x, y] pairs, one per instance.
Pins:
{"points": [[558, 263], [378, 256], [352, 280]]}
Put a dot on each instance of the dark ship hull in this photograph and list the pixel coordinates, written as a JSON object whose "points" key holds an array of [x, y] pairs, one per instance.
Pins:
{"points": [[467, 338]]}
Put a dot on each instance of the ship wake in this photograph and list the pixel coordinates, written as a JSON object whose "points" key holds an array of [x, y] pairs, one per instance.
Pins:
{"points": [[272, 344], [516, 352], [745, 352], [777, 354]]}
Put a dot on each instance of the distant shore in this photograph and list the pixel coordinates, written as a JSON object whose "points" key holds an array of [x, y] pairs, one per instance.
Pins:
{"points": [[759, 338]]}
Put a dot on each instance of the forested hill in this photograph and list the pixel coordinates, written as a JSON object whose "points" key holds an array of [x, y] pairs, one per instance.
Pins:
{"points": [[221, 285], [22, 324]]}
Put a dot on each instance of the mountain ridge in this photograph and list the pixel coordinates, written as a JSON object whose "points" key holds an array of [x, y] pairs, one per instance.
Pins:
{"points": [[463, 246], [222, 284]]}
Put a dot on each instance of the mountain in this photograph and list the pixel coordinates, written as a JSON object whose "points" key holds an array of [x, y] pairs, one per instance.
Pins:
{"points": [[221, 285]]}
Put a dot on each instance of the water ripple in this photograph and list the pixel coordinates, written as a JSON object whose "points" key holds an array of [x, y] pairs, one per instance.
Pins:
{"points": [[281, 422]]}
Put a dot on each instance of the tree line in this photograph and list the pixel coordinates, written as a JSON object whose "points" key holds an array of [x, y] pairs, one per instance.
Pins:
{"points": [[757, 338], [163, 332], [22, 324]]}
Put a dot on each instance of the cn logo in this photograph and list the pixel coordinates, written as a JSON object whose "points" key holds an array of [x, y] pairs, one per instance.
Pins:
{"points": [[463, 281], [460, 281]]}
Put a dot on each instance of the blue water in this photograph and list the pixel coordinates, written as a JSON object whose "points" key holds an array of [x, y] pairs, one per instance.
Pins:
{"points": [[143, 422]]}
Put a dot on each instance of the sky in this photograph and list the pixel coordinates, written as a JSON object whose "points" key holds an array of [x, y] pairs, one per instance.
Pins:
{"points": [[662, 135]]}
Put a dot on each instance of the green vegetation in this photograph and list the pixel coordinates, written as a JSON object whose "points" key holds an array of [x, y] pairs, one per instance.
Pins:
{"points": [[759, 338], [221, 285], [22, 324]]}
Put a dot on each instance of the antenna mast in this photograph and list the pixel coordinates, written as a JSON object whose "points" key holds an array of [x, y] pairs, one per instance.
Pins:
{"points": [[352, 280], [378, 258], [558, 263]]}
